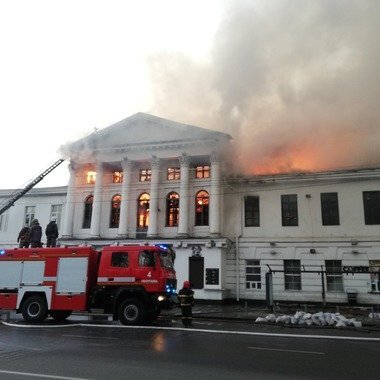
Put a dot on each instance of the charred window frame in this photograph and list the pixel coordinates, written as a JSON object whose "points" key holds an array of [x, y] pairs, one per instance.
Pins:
{"points": [[202, 171], [202, 201], [117, 177], [371, 203], [289, 210], [330, 209], [172, 209], [173, 174], [252, 211], [145, 175], [115, 211], [87, 213], [292, 274], [334, 277], [90, 177]]}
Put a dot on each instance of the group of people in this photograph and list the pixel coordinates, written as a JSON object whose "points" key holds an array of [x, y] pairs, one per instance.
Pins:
{"points": [[31, 236]]}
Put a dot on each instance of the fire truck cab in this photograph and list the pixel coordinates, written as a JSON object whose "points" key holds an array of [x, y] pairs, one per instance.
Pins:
{"points": [[133, 283]]}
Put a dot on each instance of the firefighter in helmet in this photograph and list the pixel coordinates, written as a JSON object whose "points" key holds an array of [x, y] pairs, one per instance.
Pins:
{"points": [[186, 299]]}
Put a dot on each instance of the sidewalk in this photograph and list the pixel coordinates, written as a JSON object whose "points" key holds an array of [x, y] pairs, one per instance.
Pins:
{"points": [[241, 312], [249, 313]]}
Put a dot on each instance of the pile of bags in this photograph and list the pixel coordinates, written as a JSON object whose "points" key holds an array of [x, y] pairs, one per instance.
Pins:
{"points": [[301, 318]]}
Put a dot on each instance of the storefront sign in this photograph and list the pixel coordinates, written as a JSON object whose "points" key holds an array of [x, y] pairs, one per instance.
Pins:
{"points": [[355, 269]]}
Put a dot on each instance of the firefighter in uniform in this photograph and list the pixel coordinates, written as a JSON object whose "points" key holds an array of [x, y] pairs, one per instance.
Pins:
{"points": [[186, 299]]}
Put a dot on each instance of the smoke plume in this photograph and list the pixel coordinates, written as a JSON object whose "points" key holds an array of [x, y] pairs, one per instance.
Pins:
{"points": [[295, 83]]}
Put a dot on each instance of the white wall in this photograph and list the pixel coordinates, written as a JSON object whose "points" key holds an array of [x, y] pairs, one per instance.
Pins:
{"points": [[42, 199]]}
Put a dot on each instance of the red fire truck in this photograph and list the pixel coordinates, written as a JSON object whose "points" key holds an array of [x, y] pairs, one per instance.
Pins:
{"points": [[133, 283]]}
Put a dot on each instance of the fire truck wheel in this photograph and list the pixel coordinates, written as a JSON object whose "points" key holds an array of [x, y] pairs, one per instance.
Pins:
{"points": [[60, 315], [34, 309], [131, 312]]}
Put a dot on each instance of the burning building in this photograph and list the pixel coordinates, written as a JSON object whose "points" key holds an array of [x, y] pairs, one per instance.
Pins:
{"points": [[152, 180]]}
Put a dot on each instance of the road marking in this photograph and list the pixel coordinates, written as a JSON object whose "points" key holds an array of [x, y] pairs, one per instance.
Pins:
{"points": [[30, 374], [91, 337], [39, 326], [276, 335], [282, 350]]}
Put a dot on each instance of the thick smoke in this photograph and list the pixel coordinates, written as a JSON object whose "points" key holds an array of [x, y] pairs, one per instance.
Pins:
{"points": [[296, 83]]}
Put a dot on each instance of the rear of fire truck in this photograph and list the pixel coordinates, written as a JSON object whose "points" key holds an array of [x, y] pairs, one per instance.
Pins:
{"points": [[38, 282]]}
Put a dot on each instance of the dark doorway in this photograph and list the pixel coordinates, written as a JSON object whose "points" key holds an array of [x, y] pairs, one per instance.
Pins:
{"points": [[196, 272]]}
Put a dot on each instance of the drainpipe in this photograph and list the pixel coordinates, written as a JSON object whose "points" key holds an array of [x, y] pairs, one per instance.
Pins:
{"points": [[237, 268], [238, 235]]}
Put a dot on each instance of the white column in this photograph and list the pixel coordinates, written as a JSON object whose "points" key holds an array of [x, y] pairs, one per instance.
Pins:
{"points": [[215, 195], [183, 224], [124, 205], [97, 205], [67, 227], [153, 204]]}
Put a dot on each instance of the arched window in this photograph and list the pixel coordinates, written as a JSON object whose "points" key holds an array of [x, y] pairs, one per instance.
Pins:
{"points": [[172, 209], [143, 211], [201, 208], [115, 211], [87, 211]]}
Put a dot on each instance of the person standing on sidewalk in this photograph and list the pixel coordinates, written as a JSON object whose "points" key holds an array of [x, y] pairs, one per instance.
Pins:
{"points": [[186, 299]]}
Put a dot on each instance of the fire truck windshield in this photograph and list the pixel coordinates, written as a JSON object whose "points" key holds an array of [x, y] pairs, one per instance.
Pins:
{"points": [[166, 259]]}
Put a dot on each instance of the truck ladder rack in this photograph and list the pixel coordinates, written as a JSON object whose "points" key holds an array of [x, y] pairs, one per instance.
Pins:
{"points": [[6, 204]]}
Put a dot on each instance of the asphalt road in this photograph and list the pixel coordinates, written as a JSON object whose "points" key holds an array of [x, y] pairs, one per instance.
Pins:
{"points": [[210, 350]]}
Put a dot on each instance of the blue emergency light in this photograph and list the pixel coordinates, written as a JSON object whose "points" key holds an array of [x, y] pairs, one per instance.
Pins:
{"points": [[170, 289], [2, 251]]}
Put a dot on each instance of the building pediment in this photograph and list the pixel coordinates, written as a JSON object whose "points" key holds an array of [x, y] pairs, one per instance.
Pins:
{"points": [[143, 132]]}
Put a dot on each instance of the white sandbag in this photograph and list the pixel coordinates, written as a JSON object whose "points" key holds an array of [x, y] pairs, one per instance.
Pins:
{"points": [[307, 316], [261, 320], [287, 319], [357, 324], [343, 319], [281, 319], [309, 322], [341, 324], [316, 321], [294, 320], [299, 314], [271, 318]]}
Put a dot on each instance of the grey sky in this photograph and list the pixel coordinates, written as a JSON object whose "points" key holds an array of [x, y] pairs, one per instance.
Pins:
{"points": [[295, 82]]}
